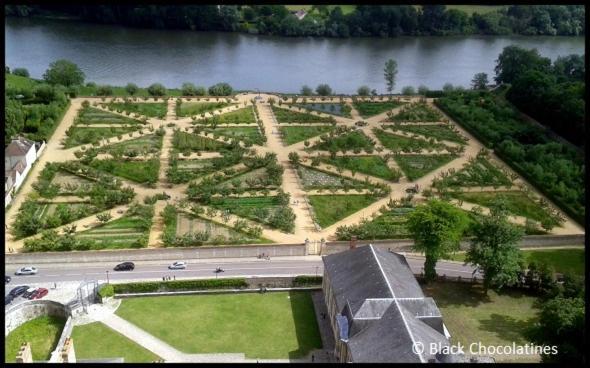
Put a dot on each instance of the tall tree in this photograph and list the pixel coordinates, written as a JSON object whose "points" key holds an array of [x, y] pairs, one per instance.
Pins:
{"points": [[437, 228], [514, 61], [64, 72], [390, 72], [479, 81], [494, 249]]}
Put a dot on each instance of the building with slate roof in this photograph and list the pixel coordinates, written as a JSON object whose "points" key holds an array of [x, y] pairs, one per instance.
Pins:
{"points": [[19, 157], [377, 309]]}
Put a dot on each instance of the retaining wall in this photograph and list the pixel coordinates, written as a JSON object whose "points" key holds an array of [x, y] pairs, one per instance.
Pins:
{"points": [[21, 313], [249, 251]]}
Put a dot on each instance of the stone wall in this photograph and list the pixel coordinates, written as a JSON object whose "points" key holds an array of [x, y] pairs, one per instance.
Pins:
{"points": [[21, 313]]}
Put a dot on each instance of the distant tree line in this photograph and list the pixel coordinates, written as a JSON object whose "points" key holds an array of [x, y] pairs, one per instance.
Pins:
{"points": [[329, 21]]}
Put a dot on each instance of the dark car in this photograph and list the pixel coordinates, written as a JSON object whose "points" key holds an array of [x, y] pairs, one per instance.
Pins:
{"points": [[8, 299], [40, 293], [19, 290], [125, 266], [7, 279], [30, 291]]}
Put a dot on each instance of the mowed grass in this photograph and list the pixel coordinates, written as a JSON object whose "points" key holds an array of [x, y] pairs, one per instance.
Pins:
{"points": [[416, 166], [197, 108], [295, 134], [369, 165], [153, 109], [564, 261], [16, 81], [367, 109], [43, 333], [138, 171], [496, 319], [96, 340], [330, 209], [265, 326]]}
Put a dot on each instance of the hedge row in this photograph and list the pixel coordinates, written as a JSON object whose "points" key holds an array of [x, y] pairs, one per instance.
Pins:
{"points": [[307, 280], [187, 285]]}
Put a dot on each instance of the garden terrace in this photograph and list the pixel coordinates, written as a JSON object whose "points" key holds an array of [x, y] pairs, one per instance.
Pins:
{"points": [[416, 166], [279, 325], [398, 143], [79, 135], [198, 108], [329, 209], [285, 116], [349, 141], [187, 142], [312, 178], [98, 341], [248, 135], [517, 203], [370, 165], [90, 116], [184, 170], [295, 134], [367, 108], [478, 172], [152, 109], [241, 116], [42, 333], [391, 224], [338, 109], [554, 167], [441, 132], [417, 112], [139, 171], [147, 144]]}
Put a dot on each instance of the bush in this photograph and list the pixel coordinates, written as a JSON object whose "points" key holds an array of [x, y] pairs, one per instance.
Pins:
{"points": [[157, 89], [220, 89], [106, 291], [186, 285], [104, 90], [21, 71], [189, 89], [307, 280], [131, 88], [323, 90]]}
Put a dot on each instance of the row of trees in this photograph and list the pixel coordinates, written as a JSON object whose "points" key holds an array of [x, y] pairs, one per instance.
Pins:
{"points": [[326, 21]]}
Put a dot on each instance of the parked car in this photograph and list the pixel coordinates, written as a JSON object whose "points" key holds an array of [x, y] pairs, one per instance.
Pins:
{"points": [[29, 270], [18, 290], [30, 291], [40, 293], [8, 299], [178, 265], [7, 279], [125, 266]]}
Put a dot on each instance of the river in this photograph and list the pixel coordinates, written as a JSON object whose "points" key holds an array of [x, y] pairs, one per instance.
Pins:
{"points": [[116, 55]]}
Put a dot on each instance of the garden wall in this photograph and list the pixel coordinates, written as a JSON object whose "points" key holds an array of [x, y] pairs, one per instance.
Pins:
{"points": [[21, 313]]}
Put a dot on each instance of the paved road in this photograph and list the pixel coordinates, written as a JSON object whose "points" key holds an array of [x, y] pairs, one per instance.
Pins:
{"points": [[155, 270]]}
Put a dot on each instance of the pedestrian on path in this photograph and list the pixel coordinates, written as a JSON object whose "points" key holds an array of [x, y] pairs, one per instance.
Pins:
{"points": [[174, 277], [163, 278], [312, 358]]}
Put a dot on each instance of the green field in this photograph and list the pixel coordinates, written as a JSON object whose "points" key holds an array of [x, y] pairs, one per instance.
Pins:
{"points": [[144, 172], [278, 325], [416, 166], [295, 134], [369, 165], [367, 109], [16, 81], [330, 209], [197, 108], [496, 319], [77, 136], [42, 333], [153, 109], [241, 116], [96, 340]]}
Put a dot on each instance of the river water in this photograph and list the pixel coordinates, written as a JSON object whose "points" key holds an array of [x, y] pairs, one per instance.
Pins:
{"points": [[116, 55]]}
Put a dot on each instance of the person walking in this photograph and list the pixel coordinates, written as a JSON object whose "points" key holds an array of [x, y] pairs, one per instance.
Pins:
{"points": [[312, 358], [174, 277]]}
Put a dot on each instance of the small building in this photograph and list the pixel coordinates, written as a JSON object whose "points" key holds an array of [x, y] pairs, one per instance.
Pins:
{"points": [[378, 312], [19, 157]]}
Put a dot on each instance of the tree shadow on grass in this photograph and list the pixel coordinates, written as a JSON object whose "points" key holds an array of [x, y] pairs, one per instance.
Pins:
{"points": [[306, 328], [508, 328], [447, 294]]}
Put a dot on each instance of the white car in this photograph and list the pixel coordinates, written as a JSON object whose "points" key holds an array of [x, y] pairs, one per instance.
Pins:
{"points": [[30, 270], [178, 265]]}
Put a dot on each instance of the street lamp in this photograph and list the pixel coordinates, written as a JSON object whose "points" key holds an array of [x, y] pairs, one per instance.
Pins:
{"points": [[316, 270], [107, 276]]}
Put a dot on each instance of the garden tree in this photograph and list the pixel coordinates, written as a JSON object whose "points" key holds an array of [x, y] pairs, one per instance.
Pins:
{"points": [[156, 89], [432, 19], [189, 89], [494, 248], [479, 81], [390, 72], [363, 91], [323, 90], [570, 67], [515, 61], [448, 87], [131, 88], [306, 90], [64, 72], [408, 91], [422, 89], [220, 89], [437, 228], [104, 217], [562, 324], [23, 72], [294, 158], [104, 90]]}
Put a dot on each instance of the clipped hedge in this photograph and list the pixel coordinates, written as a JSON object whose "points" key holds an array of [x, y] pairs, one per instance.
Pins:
{"points": [[179, 285], [106, 291], [307, 280], [434, 94]]}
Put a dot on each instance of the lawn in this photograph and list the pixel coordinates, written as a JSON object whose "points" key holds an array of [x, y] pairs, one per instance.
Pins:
{"points": [[416, 166], [144, 172], [398, 143], [517, 203], [285, 116], [16, 81], [96, 340], [369, 165], [278, 325], [437, 131], [330, 209], [89, 115], [367, 109], [197, 108], [241, 116], [182, 142], [561, 260], [43, 333], [294, 134], [153, 109], [77, 135]]}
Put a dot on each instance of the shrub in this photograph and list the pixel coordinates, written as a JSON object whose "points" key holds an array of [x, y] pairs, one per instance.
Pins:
{"points": [[104, 90], [323, 90], [150, 287], [157, 89], [220, 89], [106, 291], [307, 280], [23, 72]]}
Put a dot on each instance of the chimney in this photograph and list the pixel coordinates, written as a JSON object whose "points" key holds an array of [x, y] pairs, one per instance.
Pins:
{"points": [[353, 242]]}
